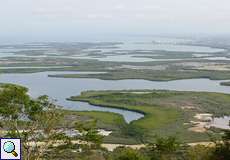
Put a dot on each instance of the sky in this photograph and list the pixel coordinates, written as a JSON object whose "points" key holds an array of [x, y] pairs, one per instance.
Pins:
{"points": [[72, 20]]}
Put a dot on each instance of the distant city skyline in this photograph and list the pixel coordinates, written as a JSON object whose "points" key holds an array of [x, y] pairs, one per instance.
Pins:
{"points": [[75, 20]]}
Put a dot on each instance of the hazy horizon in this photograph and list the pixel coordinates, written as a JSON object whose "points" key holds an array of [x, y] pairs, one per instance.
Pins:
{"points": [[75, 20]]}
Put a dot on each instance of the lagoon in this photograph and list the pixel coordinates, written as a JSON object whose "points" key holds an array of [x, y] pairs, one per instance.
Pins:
{"points": [[62, 88]]}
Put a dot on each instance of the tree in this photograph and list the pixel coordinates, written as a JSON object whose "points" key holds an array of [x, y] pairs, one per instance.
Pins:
{"points": [[165, 145], [222, 149], [164, 148], [130, 130], [199, 152], [32, 120], [123, 153], [13, 103], [89, 133]]}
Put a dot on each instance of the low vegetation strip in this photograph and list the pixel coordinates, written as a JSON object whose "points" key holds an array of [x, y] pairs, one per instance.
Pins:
{"points": [[225, 83], [155, 116], [166, 112], [215, 103], [152, 75], [105, 120]]}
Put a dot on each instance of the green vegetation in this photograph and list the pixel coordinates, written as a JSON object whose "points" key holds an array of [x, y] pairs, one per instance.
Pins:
{"points": [[108, 120], [41, 130], [166, 112], [81, 57], [43, 136], [155, 116], [162, 149], [105, 117], [123, 153], [155, 70], [153, 75], [186, 67], [198, 102]]}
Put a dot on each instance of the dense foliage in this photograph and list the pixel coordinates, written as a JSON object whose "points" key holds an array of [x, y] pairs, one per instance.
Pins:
{"points": [[37, 123]]}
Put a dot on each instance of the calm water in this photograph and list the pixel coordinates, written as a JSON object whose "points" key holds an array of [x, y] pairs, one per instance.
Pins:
{"points": [[9, 52], [218, 58], [161, 45], [168, 47], [62, 88], [124, 58]]}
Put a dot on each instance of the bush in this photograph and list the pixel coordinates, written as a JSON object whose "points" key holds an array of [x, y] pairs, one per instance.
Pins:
{"points": [[123, 153]]}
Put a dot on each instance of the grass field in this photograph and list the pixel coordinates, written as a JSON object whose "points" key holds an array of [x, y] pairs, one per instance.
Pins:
{"points": [[166, 112], [106, 120]]}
